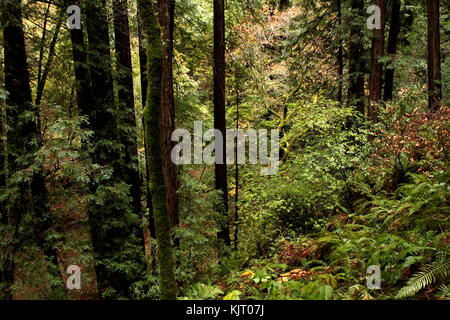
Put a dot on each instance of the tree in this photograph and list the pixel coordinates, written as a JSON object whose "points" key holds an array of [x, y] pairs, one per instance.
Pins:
{"points": [[100, 67], [82, 77], [219, 114], [236, 172], [43, 74], [340, 56], [394, 31], [356, 57], [376, 67], [144, 86], [114, 226], [434, 55], [166, 20], [154, 149], [130, 165], [27, 209]]}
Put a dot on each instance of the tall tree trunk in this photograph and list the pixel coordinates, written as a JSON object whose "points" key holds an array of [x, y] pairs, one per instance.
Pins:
{"points": [[340, 56], [394, 32], [166, 20], [42, 45], [236, 173], [434, 55], [130, 167], [154, 140], [114, 229], [84, 92], [376, 67], [27, 208], [144, 88], [356, 58], [84, 101], [42, 78], [219, 114], [103, 112]]}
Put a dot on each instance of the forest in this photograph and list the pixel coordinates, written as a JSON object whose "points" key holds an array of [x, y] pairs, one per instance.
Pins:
{"points": [[224, 150]]}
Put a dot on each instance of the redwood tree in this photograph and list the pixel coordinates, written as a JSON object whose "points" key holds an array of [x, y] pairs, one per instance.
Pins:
{"points": [[26, 210], [166, 20], [356, 56], [394, 31], [129, 165], [434, 55], [376, 67], [114, 227], [340, 55], [144, 86], [154, 149], [219, 114], [82, 77]]}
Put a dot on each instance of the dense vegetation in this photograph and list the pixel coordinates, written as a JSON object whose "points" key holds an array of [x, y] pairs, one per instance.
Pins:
{"points": [[87, 178]]}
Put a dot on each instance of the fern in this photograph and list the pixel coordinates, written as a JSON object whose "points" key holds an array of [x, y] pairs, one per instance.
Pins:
{"points": [[444, 291], [429, 274]]}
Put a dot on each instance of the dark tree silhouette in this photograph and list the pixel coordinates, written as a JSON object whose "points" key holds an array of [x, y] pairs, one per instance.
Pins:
{"points": [[394, 32], [434, 55], [219, 113]]}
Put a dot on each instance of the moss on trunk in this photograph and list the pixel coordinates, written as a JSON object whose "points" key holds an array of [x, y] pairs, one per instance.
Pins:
{"points": [[153, 134]]}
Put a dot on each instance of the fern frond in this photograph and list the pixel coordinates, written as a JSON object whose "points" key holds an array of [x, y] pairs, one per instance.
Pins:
{"points": [[429, 274], [444, 291]]}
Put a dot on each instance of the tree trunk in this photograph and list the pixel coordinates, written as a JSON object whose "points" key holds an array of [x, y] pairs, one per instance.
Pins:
{"points": [[236, 173], [144, 87], [42, 79], [103, 119], [130, 167], [340, 56], [392, 49], [376, 67], [114, 227], [154, 137], [166, 20], [26, 209], [82, 77], [434, 56], [219, 114], [84, 100], [356, 60]]}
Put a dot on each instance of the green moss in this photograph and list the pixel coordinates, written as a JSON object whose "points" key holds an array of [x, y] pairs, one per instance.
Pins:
{"points": [[152, 116]]}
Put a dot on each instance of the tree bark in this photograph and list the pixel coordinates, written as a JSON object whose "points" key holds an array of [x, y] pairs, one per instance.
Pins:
{"points": [[144, 86], [153, 131], [392, 49], [166, 20], [103, 119], [376, 67], [27, 208], [84, 101], [130, 167], [340, 56], [236, 173], [356, 60], [434, 56], [42, 79], [219, 114], [115, 234], [84, 92]]}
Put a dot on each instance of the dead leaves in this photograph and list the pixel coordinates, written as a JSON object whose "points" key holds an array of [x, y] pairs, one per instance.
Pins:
{"points": [[294, 275]]}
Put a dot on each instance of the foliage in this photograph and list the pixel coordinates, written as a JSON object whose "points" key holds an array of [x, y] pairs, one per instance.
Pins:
{"points": [[428, 274], [349, 193]]}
